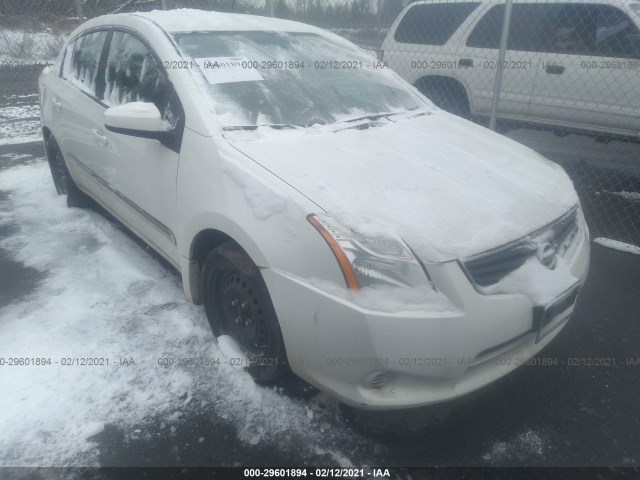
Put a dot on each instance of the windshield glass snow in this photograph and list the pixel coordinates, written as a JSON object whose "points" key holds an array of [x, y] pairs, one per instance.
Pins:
{"points": [[292, 79]]}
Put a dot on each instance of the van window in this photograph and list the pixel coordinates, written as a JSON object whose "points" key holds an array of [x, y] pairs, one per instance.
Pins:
{"points": [[432, 24]]}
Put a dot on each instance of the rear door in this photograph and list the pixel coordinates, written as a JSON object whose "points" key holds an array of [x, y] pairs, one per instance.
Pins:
{"points": [[144, 170], [76, 101], [591, 73]]}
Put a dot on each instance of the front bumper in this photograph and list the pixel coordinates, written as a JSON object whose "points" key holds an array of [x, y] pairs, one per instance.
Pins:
{"points": [[378, 360]]}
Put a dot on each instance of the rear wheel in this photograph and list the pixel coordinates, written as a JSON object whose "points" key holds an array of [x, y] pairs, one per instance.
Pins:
{"points": [[447, 94], [238, 304], [62, 178]]}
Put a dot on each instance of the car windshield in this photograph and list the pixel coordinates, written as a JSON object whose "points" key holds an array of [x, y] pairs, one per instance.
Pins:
{"points": [[292, 79]]}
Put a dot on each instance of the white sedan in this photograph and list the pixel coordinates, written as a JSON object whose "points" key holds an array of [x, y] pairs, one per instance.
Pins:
{"points": [[330, 218]]}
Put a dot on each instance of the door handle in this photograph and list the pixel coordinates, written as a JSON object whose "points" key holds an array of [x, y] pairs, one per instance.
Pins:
{"points": [[465, 62], [102, 139], [554, 69], [57, 104]]}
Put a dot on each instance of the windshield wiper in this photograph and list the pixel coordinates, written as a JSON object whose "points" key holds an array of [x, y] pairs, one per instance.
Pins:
{"points": [[367, 117], [372, 119], [377, 116], [277, 126]]}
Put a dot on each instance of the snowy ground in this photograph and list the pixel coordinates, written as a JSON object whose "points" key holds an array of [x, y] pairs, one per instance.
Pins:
{"points": [[102, 297], [19, 119], [75, 285]]}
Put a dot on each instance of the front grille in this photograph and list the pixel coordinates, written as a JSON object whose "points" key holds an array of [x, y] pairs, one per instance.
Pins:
{"points": [[488, 268]]}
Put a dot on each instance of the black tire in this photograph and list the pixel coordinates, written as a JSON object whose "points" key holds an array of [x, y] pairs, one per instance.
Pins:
{"points": [[62, 178], [238, 304], [447, 95]]}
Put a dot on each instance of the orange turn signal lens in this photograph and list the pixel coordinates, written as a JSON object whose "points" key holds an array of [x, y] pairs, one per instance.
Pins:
{"points": [[343, 261]]}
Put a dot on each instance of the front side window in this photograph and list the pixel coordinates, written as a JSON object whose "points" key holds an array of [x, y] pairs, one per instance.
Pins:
{"points": [[295, 79], [132, 74], [432, 24], [81, 67]]}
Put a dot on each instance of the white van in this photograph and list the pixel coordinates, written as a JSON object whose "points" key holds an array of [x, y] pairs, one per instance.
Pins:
{"points": [[568, 64]]}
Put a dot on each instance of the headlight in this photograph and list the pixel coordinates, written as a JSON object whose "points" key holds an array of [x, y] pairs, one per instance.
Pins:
{"points": [[368, 261]]}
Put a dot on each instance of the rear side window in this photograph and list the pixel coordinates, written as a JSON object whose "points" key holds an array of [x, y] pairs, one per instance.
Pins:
{"points": [[133, 74], [432, 24], [81, 63], [596, 30], [578, 29], [529, 31]]}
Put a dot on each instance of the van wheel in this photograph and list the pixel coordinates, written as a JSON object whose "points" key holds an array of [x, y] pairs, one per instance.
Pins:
{"points": [[448, 95], [238, 304], [62, 178]]}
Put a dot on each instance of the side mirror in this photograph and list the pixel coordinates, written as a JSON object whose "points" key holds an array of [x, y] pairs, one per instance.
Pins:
{"points": [[138, 119]]}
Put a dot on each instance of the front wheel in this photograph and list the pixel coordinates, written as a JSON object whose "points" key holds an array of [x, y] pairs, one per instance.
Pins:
{"points": [[238, 304]]}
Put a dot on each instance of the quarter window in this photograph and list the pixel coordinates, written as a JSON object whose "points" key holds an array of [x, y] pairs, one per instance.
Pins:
{"points": [[432, 24]]}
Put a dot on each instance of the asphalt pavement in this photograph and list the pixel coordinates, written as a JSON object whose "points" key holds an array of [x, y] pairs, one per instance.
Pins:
{"points": [[582, 410]]}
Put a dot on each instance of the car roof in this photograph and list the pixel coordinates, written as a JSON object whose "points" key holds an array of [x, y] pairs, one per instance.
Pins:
{"points": [[192, 20]]}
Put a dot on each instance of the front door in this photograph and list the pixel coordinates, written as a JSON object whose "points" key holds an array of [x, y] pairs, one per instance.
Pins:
{"points": [[145, 170]]}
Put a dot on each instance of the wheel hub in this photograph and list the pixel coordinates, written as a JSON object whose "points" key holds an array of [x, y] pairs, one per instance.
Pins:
{"points": [[243, 314]]}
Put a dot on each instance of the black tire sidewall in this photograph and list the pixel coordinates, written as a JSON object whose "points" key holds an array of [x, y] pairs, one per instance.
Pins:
{"points": [[219, 263], [66, 186], [446, 97]]}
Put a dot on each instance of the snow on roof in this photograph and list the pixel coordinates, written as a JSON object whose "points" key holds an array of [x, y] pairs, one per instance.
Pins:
{"points": [[191, 20]]}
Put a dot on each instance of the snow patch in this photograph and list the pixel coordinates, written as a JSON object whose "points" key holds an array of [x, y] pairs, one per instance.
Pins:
{"points": [[616, 245], [20, 121], [264, 201], [103, 297], [538, 282], [93, 429], [631, 196], [231, 350], [20, 139], [523, 447]]}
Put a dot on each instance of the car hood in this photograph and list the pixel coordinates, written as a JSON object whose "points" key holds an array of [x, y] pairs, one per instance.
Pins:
{"points": [[448, 187]]}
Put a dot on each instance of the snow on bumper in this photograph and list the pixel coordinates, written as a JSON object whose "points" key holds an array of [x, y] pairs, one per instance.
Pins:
{"points": [[378, 360]]}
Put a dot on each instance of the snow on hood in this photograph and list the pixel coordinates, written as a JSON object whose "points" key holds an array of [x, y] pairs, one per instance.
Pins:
{"points": [[448, 187]]}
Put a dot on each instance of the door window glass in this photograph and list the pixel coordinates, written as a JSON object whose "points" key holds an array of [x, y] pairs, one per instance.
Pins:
{"points": [[432, 24], [133, 74], [83, 68], [528, 31], [616, 34]]}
